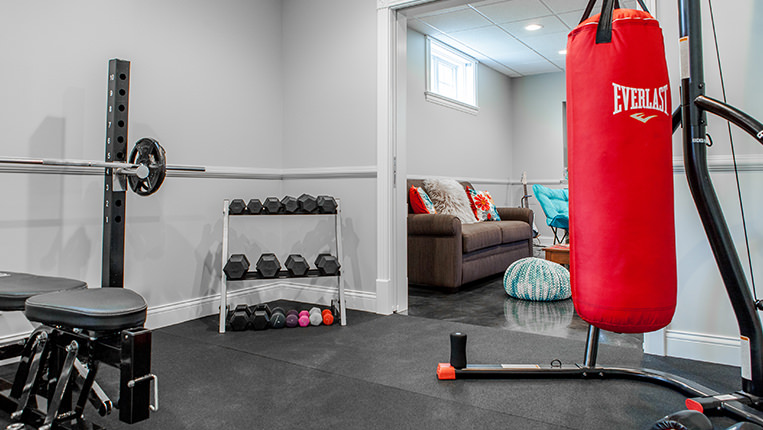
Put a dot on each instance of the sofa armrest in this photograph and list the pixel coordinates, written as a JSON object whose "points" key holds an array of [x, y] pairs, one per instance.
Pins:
{"points": [[517, 214], [434, 225]]}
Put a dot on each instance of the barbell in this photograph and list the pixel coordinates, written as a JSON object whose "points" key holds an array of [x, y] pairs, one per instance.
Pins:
{"points": [[145, 168]]}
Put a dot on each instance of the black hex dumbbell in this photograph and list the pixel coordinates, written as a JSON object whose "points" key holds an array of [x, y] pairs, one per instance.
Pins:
{"points": [[297, 265], [240, 318], [237, 207], [278, 318], [272, 205], [254, 206], [326, 204], [268, 265], [289, 204], [327, 264], [236, 267], [261, 317], [307, 204]]}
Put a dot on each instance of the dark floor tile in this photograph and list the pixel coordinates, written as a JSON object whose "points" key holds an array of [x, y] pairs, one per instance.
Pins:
{"points": [[486, 303]]}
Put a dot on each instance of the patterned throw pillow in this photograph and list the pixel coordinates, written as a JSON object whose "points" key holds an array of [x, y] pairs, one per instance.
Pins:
{"points": [[483, 205], [420, 202]]}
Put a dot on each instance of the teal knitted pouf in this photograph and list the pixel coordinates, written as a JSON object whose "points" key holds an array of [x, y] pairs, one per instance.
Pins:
{"points": [[537, 279]]}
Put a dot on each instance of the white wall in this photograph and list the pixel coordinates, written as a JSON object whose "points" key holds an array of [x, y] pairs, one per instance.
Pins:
{"points": [[330, 126], [329, 83], [198, 84], [538, 139], [537, 132], [446, 142]]}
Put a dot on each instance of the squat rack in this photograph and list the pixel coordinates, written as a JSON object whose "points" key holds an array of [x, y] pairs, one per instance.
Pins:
{"points": [[145, 171]]}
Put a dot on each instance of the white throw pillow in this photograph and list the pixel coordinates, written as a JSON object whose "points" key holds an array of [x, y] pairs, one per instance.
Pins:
{"points": [[449, 197]]}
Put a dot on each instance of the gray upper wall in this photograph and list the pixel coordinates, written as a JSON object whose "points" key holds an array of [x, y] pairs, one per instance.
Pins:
{"points": [[446, 142], [329, 83], [197, 81]]}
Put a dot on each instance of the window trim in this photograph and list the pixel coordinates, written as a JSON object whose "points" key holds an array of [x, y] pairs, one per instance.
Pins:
{"points": [[440, 99]]}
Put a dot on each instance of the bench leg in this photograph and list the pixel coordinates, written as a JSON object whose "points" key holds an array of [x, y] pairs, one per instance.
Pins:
{"points": [[91, 390], [63, 381], [31, 367]]}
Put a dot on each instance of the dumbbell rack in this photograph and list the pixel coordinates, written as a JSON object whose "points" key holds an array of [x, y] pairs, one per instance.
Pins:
{"points": [[282, 274]]}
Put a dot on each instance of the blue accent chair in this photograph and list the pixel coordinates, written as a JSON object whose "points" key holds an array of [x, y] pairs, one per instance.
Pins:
{"points": [[556, 206]]}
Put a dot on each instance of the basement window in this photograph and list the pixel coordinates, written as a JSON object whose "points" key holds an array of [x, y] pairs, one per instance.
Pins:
{"points": [[451, 77]]}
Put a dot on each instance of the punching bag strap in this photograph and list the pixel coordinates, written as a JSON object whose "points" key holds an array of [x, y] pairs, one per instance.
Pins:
{"points": [[604, 29], [592, 3]]}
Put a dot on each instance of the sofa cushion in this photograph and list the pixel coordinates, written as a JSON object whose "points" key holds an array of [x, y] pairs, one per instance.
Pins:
{"points": [[513, 231], [480, 235]]}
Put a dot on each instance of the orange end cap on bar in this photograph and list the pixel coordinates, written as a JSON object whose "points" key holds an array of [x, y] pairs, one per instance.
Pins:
{"points": [[446, 371], [694, 405]]}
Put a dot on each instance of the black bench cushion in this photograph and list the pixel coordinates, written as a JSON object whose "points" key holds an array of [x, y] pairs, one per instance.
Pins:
{"points": [[15, 288], [97, 309]]}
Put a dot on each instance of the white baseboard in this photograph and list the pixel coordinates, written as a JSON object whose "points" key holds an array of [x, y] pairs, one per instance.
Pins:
{"points": [[703, 347], [176, 313]]}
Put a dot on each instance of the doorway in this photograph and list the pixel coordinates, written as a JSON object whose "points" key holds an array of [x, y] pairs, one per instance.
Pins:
{"points": [[393, 146]]}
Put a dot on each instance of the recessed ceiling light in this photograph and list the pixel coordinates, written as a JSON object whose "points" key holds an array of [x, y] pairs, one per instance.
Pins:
{"points": [[533, 27], [563, 52]]}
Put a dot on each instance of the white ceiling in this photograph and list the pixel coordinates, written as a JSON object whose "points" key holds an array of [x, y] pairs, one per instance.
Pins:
{"points": [[493, 31]]}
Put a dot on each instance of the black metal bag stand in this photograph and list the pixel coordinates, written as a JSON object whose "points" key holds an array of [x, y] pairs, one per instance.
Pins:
{"points": [[746, 403]]}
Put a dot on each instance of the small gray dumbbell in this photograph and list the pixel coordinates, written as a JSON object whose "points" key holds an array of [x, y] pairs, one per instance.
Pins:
{"points": [[315, 316]]}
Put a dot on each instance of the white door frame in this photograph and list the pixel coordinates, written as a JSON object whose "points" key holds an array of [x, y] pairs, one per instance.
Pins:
{"points": [[392, 206], [391, 279]]}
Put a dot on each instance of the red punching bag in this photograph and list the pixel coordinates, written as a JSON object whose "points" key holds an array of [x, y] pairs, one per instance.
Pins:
{"points": [[622, 232]]}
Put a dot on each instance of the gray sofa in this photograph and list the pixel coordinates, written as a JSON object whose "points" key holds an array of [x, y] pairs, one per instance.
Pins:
{"points": [[446, 254]]}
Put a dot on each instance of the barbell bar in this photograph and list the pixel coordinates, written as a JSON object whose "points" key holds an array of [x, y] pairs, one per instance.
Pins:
{"points": [[146, 168], [139, 170]]}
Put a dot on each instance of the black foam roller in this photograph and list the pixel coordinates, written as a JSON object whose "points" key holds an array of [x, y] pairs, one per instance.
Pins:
{"points": [[458, 350]]}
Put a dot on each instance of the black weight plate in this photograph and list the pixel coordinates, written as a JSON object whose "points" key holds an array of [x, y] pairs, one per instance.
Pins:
{"points": [[147, 151]]}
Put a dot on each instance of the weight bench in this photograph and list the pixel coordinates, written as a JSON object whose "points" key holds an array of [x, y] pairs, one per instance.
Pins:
{"points": [[79, 328]]}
